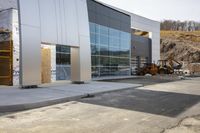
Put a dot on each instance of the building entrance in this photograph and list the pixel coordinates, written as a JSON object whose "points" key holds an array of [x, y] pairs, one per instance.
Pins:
{"points": [[6, 58]]}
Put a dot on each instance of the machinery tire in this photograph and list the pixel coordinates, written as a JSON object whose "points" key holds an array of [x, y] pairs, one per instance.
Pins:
{"points": [[162, 71]]}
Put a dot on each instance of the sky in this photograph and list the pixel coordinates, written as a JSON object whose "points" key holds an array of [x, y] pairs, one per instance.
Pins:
{"points": [[161, 9]]}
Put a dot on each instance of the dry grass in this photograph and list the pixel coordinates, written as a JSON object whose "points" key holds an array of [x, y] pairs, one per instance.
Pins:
{"points": [[193, 36]]}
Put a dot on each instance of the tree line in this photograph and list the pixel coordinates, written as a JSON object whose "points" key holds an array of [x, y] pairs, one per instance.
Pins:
{"points": [[180, 25]]}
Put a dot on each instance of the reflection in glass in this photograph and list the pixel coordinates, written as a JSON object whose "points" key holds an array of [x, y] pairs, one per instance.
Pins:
{"points": [[104, 61], [95, 49], [110, 51], [95, 60], [104, 50], [103, 40], [104, 30]]}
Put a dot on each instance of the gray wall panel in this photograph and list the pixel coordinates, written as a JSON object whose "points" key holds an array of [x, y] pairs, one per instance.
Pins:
{"points": [[30, 47], [29, 12], [102, 20], [63, 23], [81, 57], [83, 15], [141, 46], [92, 17], [153, 28], [48, 23], [58, 21], [114, 23], [75, 64], [125, 27], [30, 56], [71, 22], [103, 15], [85, 59], [91, 6]]}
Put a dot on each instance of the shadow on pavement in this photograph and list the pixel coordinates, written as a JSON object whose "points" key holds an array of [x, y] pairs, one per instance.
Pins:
{"points": [[147, 80], [154, 102]]}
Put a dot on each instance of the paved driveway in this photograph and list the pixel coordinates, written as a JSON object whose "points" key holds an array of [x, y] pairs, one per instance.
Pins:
{"points": [[171, 107]]}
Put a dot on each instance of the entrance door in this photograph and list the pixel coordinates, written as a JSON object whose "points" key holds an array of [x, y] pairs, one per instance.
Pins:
{"points": [[46, 65], [6, 63]]}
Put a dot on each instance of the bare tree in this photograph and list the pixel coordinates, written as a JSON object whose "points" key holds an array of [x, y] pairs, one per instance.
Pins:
{"points": [[180, 25]]}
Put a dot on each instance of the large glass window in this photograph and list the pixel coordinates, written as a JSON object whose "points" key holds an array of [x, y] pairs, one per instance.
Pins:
{"points": [[63, 62], [104, 50], [95, 49], [62, 55], [104, 40], [114, 33], [114, 51], [92, 38], [95, 60], [110, 51], [104, 30], [92, 28], [114, 42]]}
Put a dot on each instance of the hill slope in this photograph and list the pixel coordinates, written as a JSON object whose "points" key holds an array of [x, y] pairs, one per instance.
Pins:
{"points": [[184, 45]]}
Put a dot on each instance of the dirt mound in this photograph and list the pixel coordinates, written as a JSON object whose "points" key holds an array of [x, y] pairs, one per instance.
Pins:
{"points": [[184, 45]]}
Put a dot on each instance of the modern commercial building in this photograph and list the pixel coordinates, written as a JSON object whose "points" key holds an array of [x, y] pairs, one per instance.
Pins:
{"points": [[76, 40]]}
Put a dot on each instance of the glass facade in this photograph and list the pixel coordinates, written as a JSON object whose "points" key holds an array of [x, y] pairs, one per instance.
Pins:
{"points": [[62, 55], [110, 50], [63, 69]]}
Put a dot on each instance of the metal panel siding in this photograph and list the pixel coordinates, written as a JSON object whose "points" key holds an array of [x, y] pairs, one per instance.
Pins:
{"points": [[48, 22], [84, 36], [85, 59], [142, 46], [81, 57], [125, 27], [91, 5], [83, 15], [62, 20], [65, 19], [58, 21], [29, 12], [30, 56], [92, 17], [155, 36], [71, 22], [75, 64], [109, 17], [115, 23], [151, 26]]}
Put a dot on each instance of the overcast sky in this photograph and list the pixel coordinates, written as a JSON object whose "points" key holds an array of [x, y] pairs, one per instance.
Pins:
{"points": [[161, 9]]}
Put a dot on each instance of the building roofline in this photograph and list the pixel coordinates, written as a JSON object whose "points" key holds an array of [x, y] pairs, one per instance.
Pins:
{"points": [[124, 11]]}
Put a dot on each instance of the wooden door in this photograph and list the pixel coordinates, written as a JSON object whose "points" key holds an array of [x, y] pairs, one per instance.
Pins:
{"points": [[46, 65], [6, 63]]}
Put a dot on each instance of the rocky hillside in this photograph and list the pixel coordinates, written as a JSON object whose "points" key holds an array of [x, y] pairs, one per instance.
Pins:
{"points": [[184, 45]]}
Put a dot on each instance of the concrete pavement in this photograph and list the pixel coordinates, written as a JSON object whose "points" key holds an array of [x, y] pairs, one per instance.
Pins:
{"points": [[15, 99], [171, 107]]}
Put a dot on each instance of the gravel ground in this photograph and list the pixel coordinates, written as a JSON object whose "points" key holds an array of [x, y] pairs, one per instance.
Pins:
{"points": [[187, 125]]}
